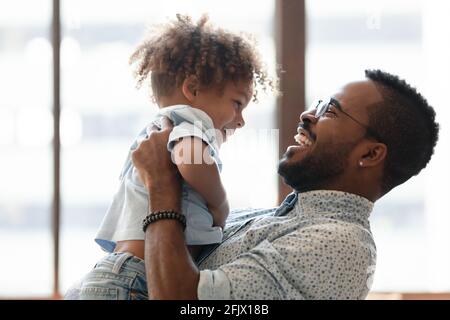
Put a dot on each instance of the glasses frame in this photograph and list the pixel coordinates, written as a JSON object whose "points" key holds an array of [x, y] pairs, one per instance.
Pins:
{"points": [[323, 106]]}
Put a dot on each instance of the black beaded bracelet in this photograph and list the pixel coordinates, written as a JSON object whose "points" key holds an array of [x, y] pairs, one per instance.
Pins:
{"points": [[158, 215]]}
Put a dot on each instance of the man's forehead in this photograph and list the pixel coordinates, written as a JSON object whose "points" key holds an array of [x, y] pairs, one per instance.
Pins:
{"points": [[358, 93]]}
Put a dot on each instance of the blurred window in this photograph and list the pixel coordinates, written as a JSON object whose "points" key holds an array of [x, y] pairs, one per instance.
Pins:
{"points": [[26, 129]]}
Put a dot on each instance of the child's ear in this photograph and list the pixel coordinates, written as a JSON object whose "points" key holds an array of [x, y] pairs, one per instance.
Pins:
{"points": [[190, 88]]}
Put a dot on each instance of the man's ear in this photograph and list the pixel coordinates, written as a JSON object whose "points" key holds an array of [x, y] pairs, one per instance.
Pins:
{"points": [[372, 154], [190, 88]]}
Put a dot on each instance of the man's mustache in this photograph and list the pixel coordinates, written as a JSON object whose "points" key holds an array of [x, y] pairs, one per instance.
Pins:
{"points": [[306, 126]]}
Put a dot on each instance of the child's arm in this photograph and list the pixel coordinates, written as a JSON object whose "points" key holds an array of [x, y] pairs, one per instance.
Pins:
{"points": [[199, 170]]}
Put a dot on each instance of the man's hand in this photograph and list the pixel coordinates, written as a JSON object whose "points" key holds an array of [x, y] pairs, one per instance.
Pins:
{"points": [[156, 170], [152, 159]]}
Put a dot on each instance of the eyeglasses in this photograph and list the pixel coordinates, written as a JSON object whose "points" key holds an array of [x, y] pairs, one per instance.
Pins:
{"points": [[322, 106]]}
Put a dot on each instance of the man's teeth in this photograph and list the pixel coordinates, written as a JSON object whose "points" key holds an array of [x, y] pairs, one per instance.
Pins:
{"points": [[302, 140]]}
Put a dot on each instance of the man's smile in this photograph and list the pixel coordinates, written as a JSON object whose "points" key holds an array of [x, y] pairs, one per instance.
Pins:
{"points": [[304, 141]]}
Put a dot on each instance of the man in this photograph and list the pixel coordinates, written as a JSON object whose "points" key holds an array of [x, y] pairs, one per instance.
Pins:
{"points": [[351, 150]]}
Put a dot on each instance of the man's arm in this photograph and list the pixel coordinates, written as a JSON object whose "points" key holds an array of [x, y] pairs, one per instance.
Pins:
{"points": [[199, 170], [170, 271]]}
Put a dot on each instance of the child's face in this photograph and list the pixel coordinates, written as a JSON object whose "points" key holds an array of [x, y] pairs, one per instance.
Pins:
{"points": [[225, 109]]}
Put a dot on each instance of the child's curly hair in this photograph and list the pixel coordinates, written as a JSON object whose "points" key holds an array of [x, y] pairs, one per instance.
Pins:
{"points": [[214, 56]]}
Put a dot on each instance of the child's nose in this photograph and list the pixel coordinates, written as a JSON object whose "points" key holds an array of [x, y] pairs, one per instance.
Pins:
{"points": [[240, 123], [239, 120]]}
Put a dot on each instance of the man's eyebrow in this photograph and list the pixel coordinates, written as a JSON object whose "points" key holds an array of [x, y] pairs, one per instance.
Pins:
{"points": [[335, 102]]}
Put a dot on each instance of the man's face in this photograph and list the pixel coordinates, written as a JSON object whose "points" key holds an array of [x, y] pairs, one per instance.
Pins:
{"points": [[324, 145]]}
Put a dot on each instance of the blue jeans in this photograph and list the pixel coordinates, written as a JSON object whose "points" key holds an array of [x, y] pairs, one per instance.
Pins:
{"points": [[118, 276]]}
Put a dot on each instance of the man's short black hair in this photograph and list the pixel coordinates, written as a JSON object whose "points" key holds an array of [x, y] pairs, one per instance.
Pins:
{"points": [[406, 124]]}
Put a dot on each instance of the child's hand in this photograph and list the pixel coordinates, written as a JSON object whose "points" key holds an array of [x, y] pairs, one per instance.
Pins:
{"points": [[220, 215]]}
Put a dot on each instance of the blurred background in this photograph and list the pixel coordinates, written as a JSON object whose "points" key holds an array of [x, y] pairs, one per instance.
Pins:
{"points": [[101, 112]]}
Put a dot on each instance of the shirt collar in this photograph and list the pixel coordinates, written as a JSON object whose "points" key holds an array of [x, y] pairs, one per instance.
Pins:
{"points": [[331, 203]]}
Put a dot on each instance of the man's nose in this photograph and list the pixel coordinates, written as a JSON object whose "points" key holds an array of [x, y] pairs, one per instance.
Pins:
{"points": [[308, 116]]}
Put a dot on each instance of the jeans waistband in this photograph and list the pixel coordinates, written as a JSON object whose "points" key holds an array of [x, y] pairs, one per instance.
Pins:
{"points": [[117, 260]]}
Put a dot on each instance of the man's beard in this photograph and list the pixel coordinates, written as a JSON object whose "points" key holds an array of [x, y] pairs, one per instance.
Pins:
{"points": [[316, 170]]}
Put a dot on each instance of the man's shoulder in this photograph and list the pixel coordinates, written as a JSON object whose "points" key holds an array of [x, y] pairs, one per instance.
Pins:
{"points": [[331, 233]]}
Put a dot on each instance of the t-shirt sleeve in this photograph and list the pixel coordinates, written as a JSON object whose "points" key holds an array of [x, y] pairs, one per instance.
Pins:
{"points": [[185, 129]]}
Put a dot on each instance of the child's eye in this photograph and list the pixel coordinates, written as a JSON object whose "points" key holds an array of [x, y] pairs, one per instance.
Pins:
{"points": [[237, 104]]}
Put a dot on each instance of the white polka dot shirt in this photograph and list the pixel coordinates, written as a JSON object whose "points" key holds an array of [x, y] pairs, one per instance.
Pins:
{"points": [[316, 245]]}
